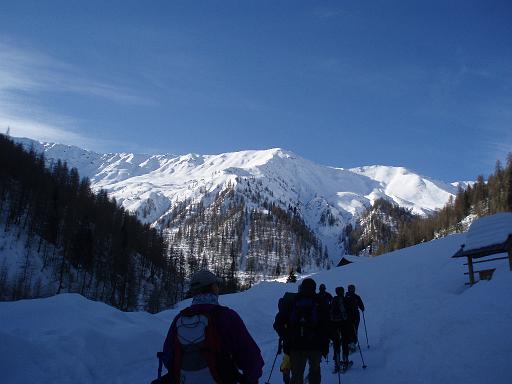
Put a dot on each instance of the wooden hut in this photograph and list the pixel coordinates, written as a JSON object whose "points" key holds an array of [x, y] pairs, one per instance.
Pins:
{"points": [[487, 236], [344, 261]]}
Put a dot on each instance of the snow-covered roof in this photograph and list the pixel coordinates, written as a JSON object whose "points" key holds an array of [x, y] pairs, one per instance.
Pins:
{"points": [[488, 231], [344, 261], [348, 259]]}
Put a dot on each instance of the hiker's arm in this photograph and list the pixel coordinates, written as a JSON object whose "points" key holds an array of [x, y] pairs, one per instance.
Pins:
{"points": [[244, 349], [279, 324], [360, 303], [168, 347]]}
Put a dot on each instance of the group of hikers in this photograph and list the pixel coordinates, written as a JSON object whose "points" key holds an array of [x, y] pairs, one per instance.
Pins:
{"points": [[209, 343], [306, 323]]}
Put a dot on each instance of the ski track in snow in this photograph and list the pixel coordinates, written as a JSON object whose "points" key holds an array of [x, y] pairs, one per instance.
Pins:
{"points": [[424, 326]]}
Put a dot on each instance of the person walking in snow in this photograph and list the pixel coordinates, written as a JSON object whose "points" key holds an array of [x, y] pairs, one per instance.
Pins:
{"points": [[303, 323], [341, 330], [280, 327], [325, 296], [208, 343], [354, 304]]}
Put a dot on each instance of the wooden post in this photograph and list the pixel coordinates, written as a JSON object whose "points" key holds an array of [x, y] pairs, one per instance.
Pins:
{"points": [[471, 273]]}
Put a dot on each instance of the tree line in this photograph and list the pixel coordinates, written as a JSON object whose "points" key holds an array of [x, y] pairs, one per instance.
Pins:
{"points": [[241, 235], [386, 227], [86, 242]]}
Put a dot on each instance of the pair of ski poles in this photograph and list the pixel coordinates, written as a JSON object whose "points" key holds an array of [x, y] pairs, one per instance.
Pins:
{"points": [[280, 349], [359, 345]]}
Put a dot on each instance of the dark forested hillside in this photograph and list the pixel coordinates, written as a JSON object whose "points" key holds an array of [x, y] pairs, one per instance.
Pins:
{"points": [[85, 242], [374, 232], [241, 236], [386, 227]]}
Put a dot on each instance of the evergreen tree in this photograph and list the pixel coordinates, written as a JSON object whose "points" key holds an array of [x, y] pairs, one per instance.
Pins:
{"points": [[292, 278]]}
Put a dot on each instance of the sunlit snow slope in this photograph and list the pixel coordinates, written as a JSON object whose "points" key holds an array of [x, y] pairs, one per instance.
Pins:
{"points": [[424, 326], [150, 185]]}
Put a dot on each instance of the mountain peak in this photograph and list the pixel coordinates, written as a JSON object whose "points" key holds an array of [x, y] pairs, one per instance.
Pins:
{"points": [[151, 185]]}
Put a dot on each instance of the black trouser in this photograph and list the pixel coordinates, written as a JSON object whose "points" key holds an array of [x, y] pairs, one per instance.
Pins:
{"points": [[298, 360], [341, 336], [355, 324]]}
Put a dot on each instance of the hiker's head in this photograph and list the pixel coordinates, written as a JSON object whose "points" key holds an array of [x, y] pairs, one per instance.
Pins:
{"points": [[204, 282], [322, 287], [340, 291], [308, 286], [352, 288]]}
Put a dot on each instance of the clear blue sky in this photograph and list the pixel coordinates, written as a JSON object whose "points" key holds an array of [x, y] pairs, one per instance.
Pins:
{"points": [[422, 84]]}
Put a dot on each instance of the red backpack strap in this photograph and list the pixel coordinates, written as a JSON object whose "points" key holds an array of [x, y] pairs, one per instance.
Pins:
{"points": [[213, 347]]}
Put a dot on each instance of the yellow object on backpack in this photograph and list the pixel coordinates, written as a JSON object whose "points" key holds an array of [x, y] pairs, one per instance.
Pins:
{"points": [[285, 364]]}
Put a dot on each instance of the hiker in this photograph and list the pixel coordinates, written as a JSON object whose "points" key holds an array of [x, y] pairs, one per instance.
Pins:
{"points": [[341, 330], [303, 324], [280, 327], [354, 304], [325, 296], [208, 343]]}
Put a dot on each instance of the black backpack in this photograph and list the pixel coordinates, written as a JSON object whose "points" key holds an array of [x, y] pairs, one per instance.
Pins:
{"points": [[338, 309], [304, 321]]}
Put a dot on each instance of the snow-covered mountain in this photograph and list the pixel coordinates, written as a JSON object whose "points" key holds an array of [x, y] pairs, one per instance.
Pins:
{"points": [[326, 198]]}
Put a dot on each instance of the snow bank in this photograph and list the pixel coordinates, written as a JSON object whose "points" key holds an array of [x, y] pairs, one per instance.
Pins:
{"points": [[424, 325]]}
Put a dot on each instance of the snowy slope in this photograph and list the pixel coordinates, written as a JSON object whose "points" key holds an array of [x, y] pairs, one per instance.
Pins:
{"points": [[424, 325], [151, 185], [407, 189]]}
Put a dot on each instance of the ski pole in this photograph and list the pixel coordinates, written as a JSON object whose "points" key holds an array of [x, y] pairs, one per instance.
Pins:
{"points": [[160, 356], [274, 363], [338, 363], [360, 352], [365, 331]]}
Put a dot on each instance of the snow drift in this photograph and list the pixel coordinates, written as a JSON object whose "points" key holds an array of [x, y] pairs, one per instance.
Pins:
{"points": [[424, 326]]}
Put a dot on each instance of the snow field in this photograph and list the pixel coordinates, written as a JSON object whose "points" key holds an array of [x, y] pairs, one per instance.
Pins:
{"points": [[424, 326]]}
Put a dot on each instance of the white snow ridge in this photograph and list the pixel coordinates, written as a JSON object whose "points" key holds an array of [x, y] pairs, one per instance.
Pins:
{"points": [[151, 185]]}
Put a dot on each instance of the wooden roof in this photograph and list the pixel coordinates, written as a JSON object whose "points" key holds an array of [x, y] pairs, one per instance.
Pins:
{"points": [[343, 262], [506, 246]]}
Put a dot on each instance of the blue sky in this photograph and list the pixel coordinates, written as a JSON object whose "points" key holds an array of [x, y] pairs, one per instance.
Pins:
{"points": [[426, 85]]}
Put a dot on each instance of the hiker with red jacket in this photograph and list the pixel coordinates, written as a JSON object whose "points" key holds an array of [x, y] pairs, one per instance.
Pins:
{"points": [[209, 343]]}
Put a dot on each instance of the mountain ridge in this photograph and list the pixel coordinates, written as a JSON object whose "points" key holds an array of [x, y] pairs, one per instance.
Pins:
{"points": [[327, 198]]}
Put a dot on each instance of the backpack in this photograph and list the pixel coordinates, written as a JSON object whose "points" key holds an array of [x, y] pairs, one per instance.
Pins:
{"points": [[338, 310], [198, 352], [304, 321], [326, 298]]}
